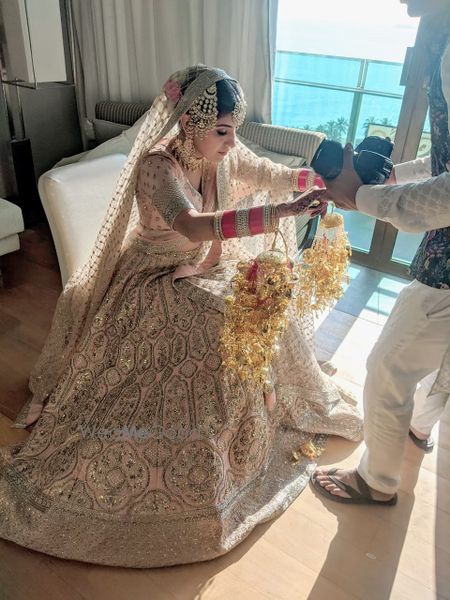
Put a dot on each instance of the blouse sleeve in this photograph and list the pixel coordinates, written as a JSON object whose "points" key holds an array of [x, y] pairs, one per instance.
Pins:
{"points": [[159, 181], [263, 174]]}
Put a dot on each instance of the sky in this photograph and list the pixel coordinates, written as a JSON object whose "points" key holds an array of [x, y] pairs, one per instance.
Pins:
{"points": [[375, 29]]}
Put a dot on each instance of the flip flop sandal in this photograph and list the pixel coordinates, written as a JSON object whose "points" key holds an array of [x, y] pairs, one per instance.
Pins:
{"points": [[425, 445], [361, 496]]}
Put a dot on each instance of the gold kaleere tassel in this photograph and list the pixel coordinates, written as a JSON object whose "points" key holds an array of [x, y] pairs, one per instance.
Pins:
{"points": [[310, 450], [263, 288], [307, 449], [323, 267], [255, 315]]}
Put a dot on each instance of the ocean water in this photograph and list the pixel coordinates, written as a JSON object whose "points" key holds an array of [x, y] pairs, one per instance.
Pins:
{"points": [[309, 107]]}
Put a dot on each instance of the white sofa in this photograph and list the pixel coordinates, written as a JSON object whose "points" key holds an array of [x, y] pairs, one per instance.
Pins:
{"points": [[11, 224], [75, 199]]}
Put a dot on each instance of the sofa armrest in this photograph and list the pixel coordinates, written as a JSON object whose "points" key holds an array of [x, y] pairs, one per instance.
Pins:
{"points": [[75, 199], [284, 140]]}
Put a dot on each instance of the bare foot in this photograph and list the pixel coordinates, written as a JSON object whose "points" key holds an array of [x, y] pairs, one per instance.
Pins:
{"points": [[348, 477]]}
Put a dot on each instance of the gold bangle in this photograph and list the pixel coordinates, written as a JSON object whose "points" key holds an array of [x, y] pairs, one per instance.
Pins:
{"points": [[217, 224], [271, 218], [275, 218]]}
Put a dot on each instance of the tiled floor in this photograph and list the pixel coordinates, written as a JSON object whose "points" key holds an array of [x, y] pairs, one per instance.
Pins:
{"points": [[370, 294]]}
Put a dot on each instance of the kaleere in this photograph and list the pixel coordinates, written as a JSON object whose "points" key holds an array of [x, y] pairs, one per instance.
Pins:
{"points": [[256, 313]]}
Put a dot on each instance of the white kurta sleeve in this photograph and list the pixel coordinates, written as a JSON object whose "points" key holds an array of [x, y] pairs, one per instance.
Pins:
{"points": [[413, 170], [413, 207]]}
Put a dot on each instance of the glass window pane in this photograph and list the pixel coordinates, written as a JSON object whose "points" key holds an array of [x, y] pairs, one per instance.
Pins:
{"points": [[377, 116], [384, 77], [316, 68], [307, 107], [405, 247], [334, 44], [345, 28], [406, 244], [359, 229]]}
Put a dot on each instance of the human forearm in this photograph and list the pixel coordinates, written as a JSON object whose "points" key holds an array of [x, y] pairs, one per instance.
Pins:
{"points": [[200, 227], [263, 174], [412, 171], [203, 227], [413, 207]]}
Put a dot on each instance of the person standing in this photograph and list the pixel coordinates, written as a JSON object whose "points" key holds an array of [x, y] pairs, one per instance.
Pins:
{"points": [[414, 344]]}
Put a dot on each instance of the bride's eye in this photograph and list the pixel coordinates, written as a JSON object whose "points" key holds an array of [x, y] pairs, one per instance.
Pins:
{"points": [[221, 132]]}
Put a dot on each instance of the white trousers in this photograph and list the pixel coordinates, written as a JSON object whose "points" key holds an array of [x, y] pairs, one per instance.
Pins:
{"points": [[427, 409], [411, 347]]}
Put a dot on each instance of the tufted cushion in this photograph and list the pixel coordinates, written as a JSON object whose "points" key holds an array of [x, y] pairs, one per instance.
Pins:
{"points": [[294, 162], [285, 140]]}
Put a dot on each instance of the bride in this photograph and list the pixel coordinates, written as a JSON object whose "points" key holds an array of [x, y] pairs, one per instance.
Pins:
{"points": [[144, 450]]}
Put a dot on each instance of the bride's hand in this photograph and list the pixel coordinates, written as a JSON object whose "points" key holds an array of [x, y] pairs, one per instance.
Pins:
{"points": [[310, 202]]}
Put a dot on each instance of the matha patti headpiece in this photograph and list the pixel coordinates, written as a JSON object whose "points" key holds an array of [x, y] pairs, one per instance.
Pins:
{"points": [[203, 111], [238, 112]]}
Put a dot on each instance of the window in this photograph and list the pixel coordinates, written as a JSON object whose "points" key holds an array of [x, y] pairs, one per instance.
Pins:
{"points": [[338, 70]]}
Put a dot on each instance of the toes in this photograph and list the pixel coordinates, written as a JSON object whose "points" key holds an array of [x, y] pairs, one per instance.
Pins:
{"points": [[336, 491], [332, 488], [322, 478]]}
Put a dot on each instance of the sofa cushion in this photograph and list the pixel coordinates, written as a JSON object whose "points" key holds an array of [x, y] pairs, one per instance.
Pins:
{"points": [[121, 144], [11, 220], [9, 244], [294, 162]]}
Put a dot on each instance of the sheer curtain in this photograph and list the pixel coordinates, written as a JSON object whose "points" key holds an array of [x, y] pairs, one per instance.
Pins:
{"points": [[126, 48]]}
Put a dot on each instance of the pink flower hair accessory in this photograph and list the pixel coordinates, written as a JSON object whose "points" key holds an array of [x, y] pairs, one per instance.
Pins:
{"points": [[172, 89]]}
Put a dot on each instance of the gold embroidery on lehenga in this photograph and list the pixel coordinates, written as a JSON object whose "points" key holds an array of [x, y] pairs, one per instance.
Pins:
{"points": [[117, 476], [134, 356], [195, 474], [248, 448]]}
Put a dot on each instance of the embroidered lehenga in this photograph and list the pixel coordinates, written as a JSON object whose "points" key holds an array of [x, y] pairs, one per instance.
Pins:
{"points": [[145, 452]]}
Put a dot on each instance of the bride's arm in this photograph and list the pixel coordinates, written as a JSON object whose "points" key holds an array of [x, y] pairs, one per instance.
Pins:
{"points": [[159, 183], [262, 174]]}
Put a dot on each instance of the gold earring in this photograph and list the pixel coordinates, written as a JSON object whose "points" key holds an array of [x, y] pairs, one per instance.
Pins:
{"points": [[184, 151]]}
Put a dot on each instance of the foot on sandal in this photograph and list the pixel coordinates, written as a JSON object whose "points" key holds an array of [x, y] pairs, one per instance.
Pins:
{"points": [[348, 487]]}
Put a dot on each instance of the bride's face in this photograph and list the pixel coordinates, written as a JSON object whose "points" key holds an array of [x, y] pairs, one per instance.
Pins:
{"points": [[219, 141]]}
